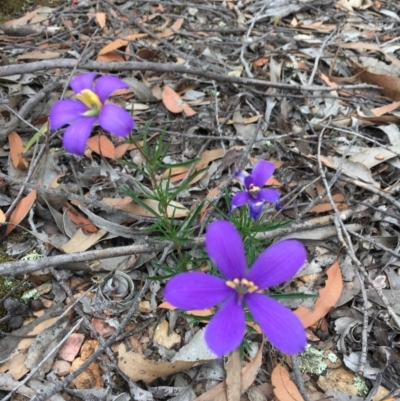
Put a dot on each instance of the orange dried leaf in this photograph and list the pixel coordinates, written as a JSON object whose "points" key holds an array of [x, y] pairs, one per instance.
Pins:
{"points": [[2, 217], [390, 85], [326, 206], [380, 111], [101, 19], [328, 296], [211, 194], [79, 220], [261, 61], [188, 110], [274, 181], [171, 31], [120, 150], [23, 20], [116, 44], [284, 388], [102, 146], [16, 150], [134, 36], [21, 210], [253, 119], [174, 103], [110, 57]]}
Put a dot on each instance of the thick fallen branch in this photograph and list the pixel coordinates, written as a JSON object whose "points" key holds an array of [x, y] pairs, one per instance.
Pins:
{"points": [[171, 68], [29, 266]]}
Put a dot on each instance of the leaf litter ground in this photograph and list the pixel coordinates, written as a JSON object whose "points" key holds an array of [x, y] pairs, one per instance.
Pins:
{"points": [[89, 242]]}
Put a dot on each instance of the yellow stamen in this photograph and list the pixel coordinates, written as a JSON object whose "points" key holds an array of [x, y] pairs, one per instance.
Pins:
{"points": [[253, 190], [90, 99], [230, 284], [253, 288], [243, 284]]}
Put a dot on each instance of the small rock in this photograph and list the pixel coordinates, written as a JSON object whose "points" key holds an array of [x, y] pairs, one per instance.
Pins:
{"points": [[104, 329], [88, 348], [144, 307], [13, 307], [37, 304], [70, 349], [162, 338], [16, 322], [62, 368], [89, 378]]}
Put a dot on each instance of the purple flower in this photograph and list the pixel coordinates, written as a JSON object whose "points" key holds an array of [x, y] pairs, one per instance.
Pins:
{"points": [[254, 194], [89, 108], [241, 287]]}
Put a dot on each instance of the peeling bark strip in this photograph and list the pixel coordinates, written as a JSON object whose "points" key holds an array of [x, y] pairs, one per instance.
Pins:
{"points": [[149, 66]]}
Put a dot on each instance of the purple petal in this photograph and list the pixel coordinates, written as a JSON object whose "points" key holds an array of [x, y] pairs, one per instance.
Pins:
{"points": [[65, 112], [255, 209], [261, 172], [248, 181], [278, 263], [240, 199], [240, 175], [77, 134], [196, 291], [115, 120], [225, 248], [107, 85], [269, 195], [282, 327], [226, 329], [84, 81]]}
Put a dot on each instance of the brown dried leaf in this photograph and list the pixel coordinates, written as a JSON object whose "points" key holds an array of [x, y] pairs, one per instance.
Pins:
{"points": [[248, 375], [390, 85], [284, 388], [137, 367], [370, 46], [15, 364], [21, 210], [16, 150], [233, 382], [39, 55], [328, 296], [178, 173], [2, 217], [175, 209], [81, 242], [23, 20]]}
